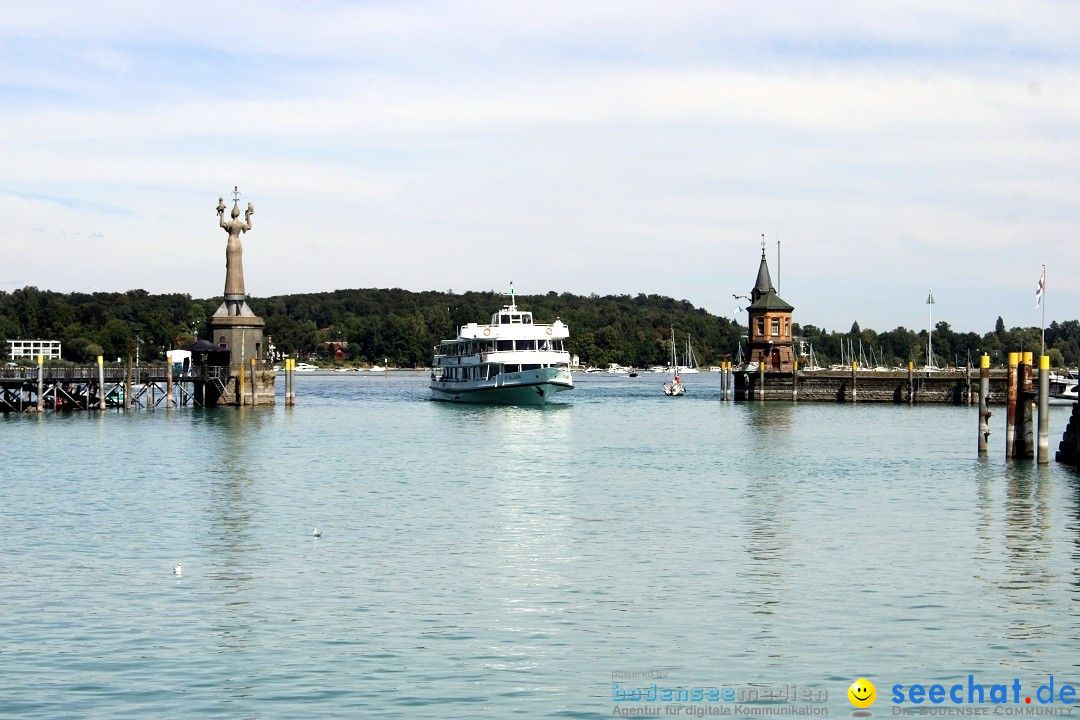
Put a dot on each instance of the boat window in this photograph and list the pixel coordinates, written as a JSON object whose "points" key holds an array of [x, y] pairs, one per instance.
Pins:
{"points": [[511, 368], [504, 319], [526, 344], [527, 319], [530, 366], [504, 345]]}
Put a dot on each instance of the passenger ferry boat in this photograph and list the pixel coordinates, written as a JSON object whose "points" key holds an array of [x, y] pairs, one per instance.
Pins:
{"points": [[511, 361]]}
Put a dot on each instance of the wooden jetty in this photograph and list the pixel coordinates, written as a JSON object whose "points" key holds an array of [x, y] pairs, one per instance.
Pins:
{"points": [[30, 389]]}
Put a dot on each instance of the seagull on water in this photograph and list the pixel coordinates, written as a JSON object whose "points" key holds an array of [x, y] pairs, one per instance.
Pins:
{"points": [[315, 532], [177, 569]]}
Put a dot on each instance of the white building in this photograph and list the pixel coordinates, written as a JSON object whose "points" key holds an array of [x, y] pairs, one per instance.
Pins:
{"points": [[49, 349]]}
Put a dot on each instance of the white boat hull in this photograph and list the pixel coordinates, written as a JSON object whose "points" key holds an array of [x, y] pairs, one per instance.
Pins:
{"points": [[529, 387]]}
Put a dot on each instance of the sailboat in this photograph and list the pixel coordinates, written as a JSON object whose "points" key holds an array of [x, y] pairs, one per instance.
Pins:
{"points": [[675, 387], [691, 362]]}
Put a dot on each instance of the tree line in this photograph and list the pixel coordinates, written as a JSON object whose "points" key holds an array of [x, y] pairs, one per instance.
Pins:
{"points": [[400, 327]]}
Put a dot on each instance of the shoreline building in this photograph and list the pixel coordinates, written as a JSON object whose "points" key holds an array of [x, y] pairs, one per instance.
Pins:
{"points": [[30, 349], [770, 341]]}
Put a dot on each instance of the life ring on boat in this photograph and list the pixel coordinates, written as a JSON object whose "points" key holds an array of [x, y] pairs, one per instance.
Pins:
{"points": [[549, 331], [487, 331]]}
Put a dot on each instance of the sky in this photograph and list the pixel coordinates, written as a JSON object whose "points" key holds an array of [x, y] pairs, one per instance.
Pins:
{"points": [[880, 150]]}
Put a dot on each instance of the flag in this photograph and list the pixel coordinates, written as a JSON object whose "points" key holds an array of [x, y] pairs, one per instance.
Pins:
{"points": [[1041, 287], [930, 298]]}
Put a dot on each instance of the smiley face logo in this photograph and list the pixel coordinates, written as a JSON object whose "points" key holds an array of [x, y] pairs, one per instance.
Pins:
{"points": [[862, 693]]}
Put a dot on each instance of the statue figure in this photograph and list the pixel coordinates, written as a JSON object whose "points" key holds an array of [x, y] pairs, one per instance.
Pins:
{"points": [[234, 252]]}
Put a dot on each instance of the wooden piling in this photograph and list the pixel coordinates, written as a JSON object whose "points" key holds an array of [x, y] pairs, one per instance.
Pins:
{"points": [[1025, 419], [1010, 405], [795, 382], [910, 382], [984, 412], [240, 386], [288, 382], [1044, 410], [168, 384], [127, 385], [101, 382], [40, 383]]}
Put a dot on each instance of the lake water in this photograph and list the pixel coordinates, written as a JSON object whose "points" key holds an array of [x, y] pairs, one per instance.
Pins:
{"points": [[497, 561]]}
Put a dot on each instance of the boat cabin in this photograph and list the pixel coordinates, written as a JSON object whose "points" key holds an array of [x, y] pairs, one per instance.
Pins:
{"points": [[510, 315]]}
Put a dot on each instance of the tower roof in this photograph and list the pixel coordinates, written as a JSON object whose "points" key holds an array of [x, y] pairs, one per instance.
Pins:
{"points": [[764, 280], [764, 295], [770, 301]]}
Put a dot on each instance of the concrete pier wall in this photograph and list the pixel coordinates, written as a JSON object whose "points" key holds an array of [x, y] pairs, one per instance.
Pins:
{"points": [[957, 388]]}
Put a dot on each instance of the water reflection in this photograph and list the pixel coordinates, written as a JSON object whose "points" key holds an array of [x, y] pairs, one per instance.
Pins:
{"points": [[231, 462], [1014, 544]]}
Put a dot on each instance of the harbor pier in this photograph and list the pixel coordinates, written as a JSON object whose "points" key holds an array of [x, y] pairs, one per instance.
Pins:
{"points": [[957, 387], [92, 387]]}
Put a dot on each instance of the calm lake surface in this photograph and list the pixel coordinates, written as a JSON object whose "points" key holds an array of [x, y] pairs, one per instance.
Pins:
{"points": [[498, 561]]}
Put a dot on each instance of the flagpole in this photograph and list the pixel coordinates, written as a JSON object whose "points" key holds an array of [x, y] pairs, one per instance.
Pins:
{"points": [[1043, 328], [930, 332]]}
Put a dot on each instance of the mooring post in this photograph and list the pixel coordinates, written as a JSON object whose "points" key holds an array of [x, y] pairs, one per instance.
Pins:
{"points": [[288, 382], [168, 383], [854, 380], [40, 383], [127, 385], [795, 382], [984, 399], [761, 379], [240, 386], [1026, 423], [101, 382], [1010, 405], [910, 382], [253, 383], [292, 384], [1044, 410]]}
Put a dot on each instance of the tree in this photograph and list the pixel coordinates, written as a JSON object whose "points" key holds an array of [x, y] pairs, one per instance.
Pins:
{"points": [[115, 339]]}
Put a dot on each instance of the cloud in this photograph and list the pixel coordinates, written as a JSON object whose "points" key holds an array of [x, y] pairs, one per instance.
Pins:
{"points": [[620, 147]]}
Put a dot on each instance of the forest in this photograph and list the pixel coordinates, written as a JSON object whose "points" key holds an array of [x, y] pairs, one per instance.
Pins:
{"points": [[399, 328]]}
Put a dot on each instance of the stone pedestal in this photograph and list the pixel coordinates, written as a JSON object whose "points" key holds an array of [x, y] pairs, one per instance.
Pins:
{"points": [[242, 337]]}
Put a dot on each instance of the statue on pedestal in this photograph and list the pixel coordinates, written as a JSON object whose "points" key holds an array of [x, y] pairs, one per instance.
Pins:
{"points": [[234, 251]]}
